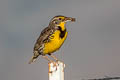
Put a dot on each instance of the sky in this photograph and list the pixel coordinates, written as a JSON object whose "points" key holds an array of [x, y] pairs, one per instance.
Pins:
{"points": [[91, 50]]}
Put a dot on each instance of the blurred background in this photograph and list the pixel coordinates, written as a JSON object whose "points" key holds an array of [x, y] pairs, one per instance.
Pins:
{"points": [[92, 49]]}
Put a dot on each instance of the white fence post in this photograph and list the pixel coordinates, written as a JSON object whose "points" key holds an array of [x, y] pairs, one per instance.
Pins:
{"points": [[56, 72]]}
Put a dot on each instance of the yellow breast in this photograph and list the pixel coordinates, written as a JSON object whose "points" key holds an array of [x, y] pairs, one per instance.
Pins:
{"points": [[55, 43]]}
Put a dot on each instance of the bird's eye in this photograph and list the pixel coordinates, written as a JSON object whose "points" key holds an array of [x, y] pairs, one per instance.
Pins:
{"points": [[60, 19]]}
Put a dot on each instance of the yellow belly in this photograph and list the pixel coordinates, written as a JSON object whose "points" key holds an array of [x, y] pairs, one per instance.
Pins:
{"points": [[54, 44]]}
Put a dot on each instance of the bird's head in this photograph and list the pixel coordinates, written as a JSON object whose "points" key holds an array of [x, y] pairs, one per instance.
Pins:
{"points": [[58, 20]]}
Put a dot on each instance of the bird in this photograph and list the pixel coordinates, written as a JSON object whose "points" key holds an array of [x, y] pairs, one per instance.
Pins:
{"points": [[51, 38]]}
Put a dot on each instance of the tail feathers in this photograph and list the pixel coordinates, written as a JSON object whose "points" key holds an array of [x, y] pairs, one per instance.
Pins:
{"points": [[33, 59], [35, 56]]}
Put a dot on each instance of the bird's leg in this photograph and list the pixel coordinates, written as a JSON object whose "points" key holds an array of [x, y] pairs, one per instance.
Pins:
{"points": [[54, 63], [54, 57], [47, 58]]}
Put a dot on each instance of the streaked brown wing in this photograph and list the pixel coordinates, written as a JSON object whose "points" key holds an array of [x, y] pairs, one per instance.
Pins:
{"points": [[44, 36]]}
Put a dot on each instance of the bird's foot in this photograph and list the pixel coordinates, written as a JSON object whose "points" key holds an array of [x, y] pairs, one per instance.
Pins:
{"points": [[57, 62], [54, 66]]}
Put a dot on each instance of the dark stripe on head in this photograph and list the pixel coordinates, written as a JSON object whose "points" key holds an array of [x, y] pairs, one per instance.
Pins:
{"points": [[57, 16]]}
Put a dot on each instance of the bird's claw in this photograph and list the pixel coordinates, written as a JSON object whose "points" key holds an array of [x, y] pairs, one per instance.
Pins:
{"points": [[55, 64]]}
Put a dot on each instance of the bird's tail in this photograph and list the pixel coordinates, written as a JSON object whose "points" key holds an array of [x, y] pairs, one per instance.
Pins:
{"points": [[34, 58]]}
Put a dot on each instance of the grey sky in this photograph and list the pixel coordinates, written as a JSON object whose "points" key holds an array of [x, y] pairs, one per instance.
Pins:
{"points": [[91, 50]]}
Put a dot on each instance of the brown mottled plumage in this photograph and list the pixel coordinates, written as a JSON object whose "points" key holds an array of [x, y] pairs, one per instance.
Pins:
{"points": [[51, 38]]}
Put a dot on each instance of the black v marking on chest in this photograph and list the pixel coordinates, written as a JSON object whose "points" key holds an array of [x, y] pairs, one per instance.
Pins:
{"points": [[62, 33]]}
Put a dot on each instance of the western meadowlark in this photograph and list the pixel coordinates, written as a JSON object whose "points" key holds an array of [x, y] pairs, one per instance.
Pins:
{"points": [[51, 38]]}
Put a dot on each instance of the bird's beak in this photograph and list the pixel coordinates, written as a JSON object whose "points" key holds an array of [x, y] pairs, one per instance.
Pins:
{"points": [[69, 19]]}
